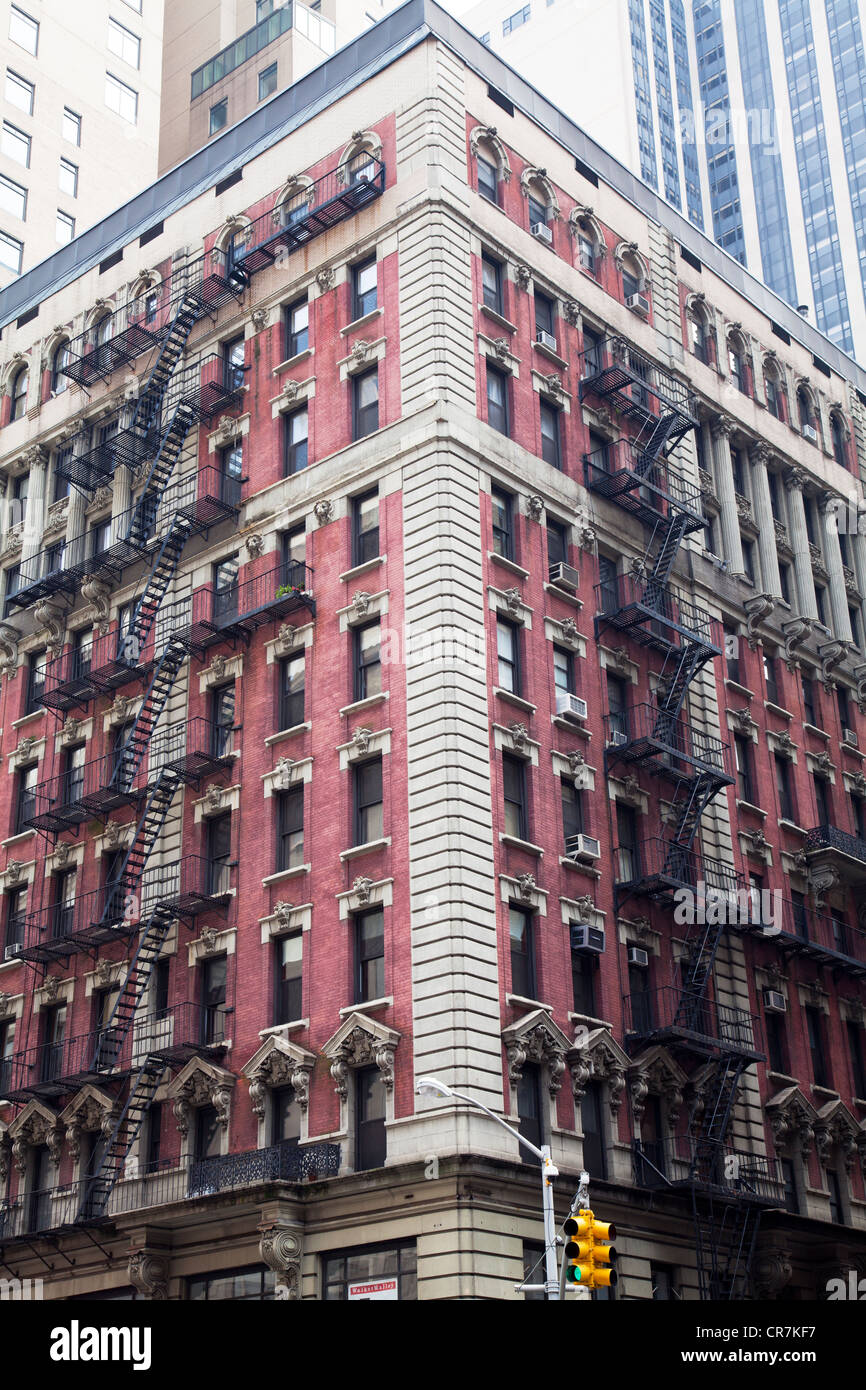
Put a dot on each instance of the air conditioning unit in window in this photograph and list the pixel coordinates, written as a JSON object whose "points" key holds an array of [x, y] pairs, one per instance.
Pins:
{"points": [[542, 232], [582, 847], [775, 1002], [638, 956], [586, 938], [12, 951], [546, 339], [639, 303], [850, 736], [810, 433], [572, 706], [618, 738], [564, 576]]}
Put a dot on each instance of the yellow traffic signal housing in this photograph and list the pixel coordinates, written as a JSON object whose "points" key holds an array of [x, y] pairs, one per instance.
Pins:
{"points": [[588, 1251]]}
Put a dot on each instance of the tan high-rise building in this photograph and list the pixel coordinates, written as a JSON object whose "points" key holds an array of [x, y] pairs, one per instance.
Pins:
{"points": [[79, 107]]}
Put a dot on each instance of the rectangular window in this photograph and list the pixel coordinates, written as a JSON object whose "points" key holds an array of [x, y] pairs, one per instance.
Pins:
{"points": [[70, 126], [491, 282], [121, 99], [124, 44], [27, 780], [834, 1188], [497, 399], [855, 1048], [223, 718], [64, 227], [99, 539], [544, 311], [288, 1005], [267, 82], [822, 800], [294, 554], [770, 678], [290, 829], [626, 831], [13, 197], [285, 1117], [514, 786], [508, 656], [23, 30], [19, 92], [592, 1126], [369, 955], [15, 144], [213, 998], [346, 1274], [777, 1051], [364, 289], [292, 672], [617, 698], [529, 1112], [743, 754], [783, 786], [16, 917], [231, 473], [550, 429], [13, 583], [522, 952], [488, 183], [63, 903], [11, 253], [663, 1283], [68, 180], [563, 670], [557, 545], [503, 539], [810, 701], [73, 777], [583, 967], [7, 1052], [296, 322], [225, 585], [233, 354], [365, 527], [370, 1119], [219, 853], [591, 353], [368, 666], [296, 428], [365, 403], [207, 1136], [53, 1037], [572, 811], [367, 784], [815, 1034]]}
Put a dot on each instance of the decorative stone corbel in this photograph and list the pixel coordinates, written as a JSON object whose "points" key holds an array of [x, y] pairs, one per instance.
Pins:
{"points": [[280, 1249], [50, 617], [147, 1271], [758, 607], [97, 593], [9, 639], [795, 631], [324, 511], [535, 507]]}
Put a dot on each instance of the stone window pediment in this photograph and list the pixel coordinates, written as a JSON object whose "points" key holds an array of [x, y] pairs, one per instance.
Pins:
{"points": [[286, 773], [201, 1083], [91, 1112], [523, 890], [361, 1041], [837, 1129], [654, 1072], [792, 1117], [364, 743], [276, 1064], [364, 893], [35, 1125], [536, 1038], [596, 1055]]}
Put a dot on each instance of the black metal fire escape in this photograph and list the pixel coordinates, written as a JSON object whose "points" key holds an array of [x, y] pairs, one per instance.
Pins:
{"points": [[639, 474]]}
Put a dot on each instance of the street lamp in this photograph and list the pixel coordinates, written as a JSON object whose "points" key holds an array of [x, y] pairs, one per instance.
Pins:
{"points": [[432, 1086]]}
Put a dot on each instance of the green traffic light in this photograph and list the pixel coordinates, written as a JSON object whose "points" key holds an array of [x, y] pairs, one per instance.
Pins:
{"points": [[574, 1274]]}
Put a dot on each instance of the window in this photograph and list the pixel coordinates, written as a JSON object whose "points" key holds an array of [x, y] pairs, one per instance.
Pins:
{"points": [[288, 1004], [834, 1188], [233, 353], [522, 954], [790, 1185], [53, 1035], [503, 507], [13, 583], [219, 853], [362, 168], [23, 30], [538, 212], [783, 787], [491, 282], [11, 255], [16, 917], [774, 395], [122, 99], [583, 969], [533, 1252], [13, 197], [804, 409], [515, 20], [345, 1275], [557, 545], [7, 1051], [296, 322], [226, 590], [810, 704], [27, 780], [15, 144], [777, 1046], [231, 473], [296, 438], [663, 1283], [815, 1035], [626, 829], [251, 1285], [367, 783], [99, 539], [365, 403], [154, 1138], [64, 227], [837, 435], [488, 180], [290, 829], [63, 903], [737, 364], [370, 1119], [592, 1127], [497, 399], [70, 127], [529, 1121], [285, 1117], [508, 656], [368, 666], [514, 787], [617, 708], [732, 654], [369, 955], [213, 996], [855, 1048], [586, 251], [68, 180], [207, 1134], [563, 670], [544, 316], [844, 707], [630, 284], [123, 43], [743, 754], [592, 354], [822, 800], [550, 447], [267, 82], [572, 811], [770, 678], [365, 527], [20, 495], [19, 92], [800, 915], [59, 383], [223, 718], [364, 295], [73, 776], [291, 675]]}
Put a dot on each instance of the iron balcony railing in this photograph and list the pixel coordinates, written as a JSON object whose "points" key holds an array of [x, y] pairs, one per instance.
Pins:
{"points": [[49, 1210], [187, 886], [830, 837], [641, 389], [672, 1162], [335, 196], [192, 749], [827, 938], [660, 866], [672, 1013], [655, 619], [620, 471], [671, 743], [52, 1069]]}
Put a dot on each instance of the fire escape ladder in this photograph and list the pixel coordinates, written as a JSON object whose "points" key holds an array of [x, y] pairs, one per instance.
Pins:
{"points": [[135, 747], [656, 445], [661, 554], [99, 1185], [131, 993], [147, 409], [143, 519], [725, 1237]]}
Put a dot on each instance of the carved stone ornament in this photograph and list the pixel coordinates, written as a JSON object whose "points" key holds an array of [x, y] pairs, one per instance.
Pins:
{"points": [[536, 1038], [759, 607], [359, 352], [201, 1087], [217, 668], [5, 1004], [488, 134], [792, 1120], [360, 1048], [115, 834], [213, 797], [287, 636], [795, 631], [576, 761], [50, 618], [361, 602], [526, 886], [147, 1271], [284, 772], [71, 729], [784, 744], [361, 887], [831, 654], [280, 1249], [361, 739], [523, 276], [771, 1272], [277, 1069], [15, 866], [208, 940], [255, 545], [823, 881], [260, 318], [283, 912], [50, 988], [25, 748], [535, 507], [823, 763], [9, 639], [33, 1127], [325, 278], [569, 630], [62, 852], [501, 349], [513, 600], [757, 844], [743, 720], [655, 1073], [324, 511], [553, 385], [571, 312], [226, 431]]}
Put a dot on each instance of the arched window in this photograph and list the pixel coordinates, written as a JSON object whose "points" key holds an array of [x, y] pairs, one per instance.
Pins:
{"points": [[700, 339], [20, 383], [806, 413], [738, 363], [362, 167], [837, 433], [60, 359], [634, 277], [774, 389], [586, 247], [539, 208], [491, 162]]}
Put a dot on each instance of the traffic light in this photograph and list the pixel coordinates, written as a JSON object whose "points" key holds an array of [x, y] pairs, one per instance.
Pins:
{"points": [[588, 1252]]}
